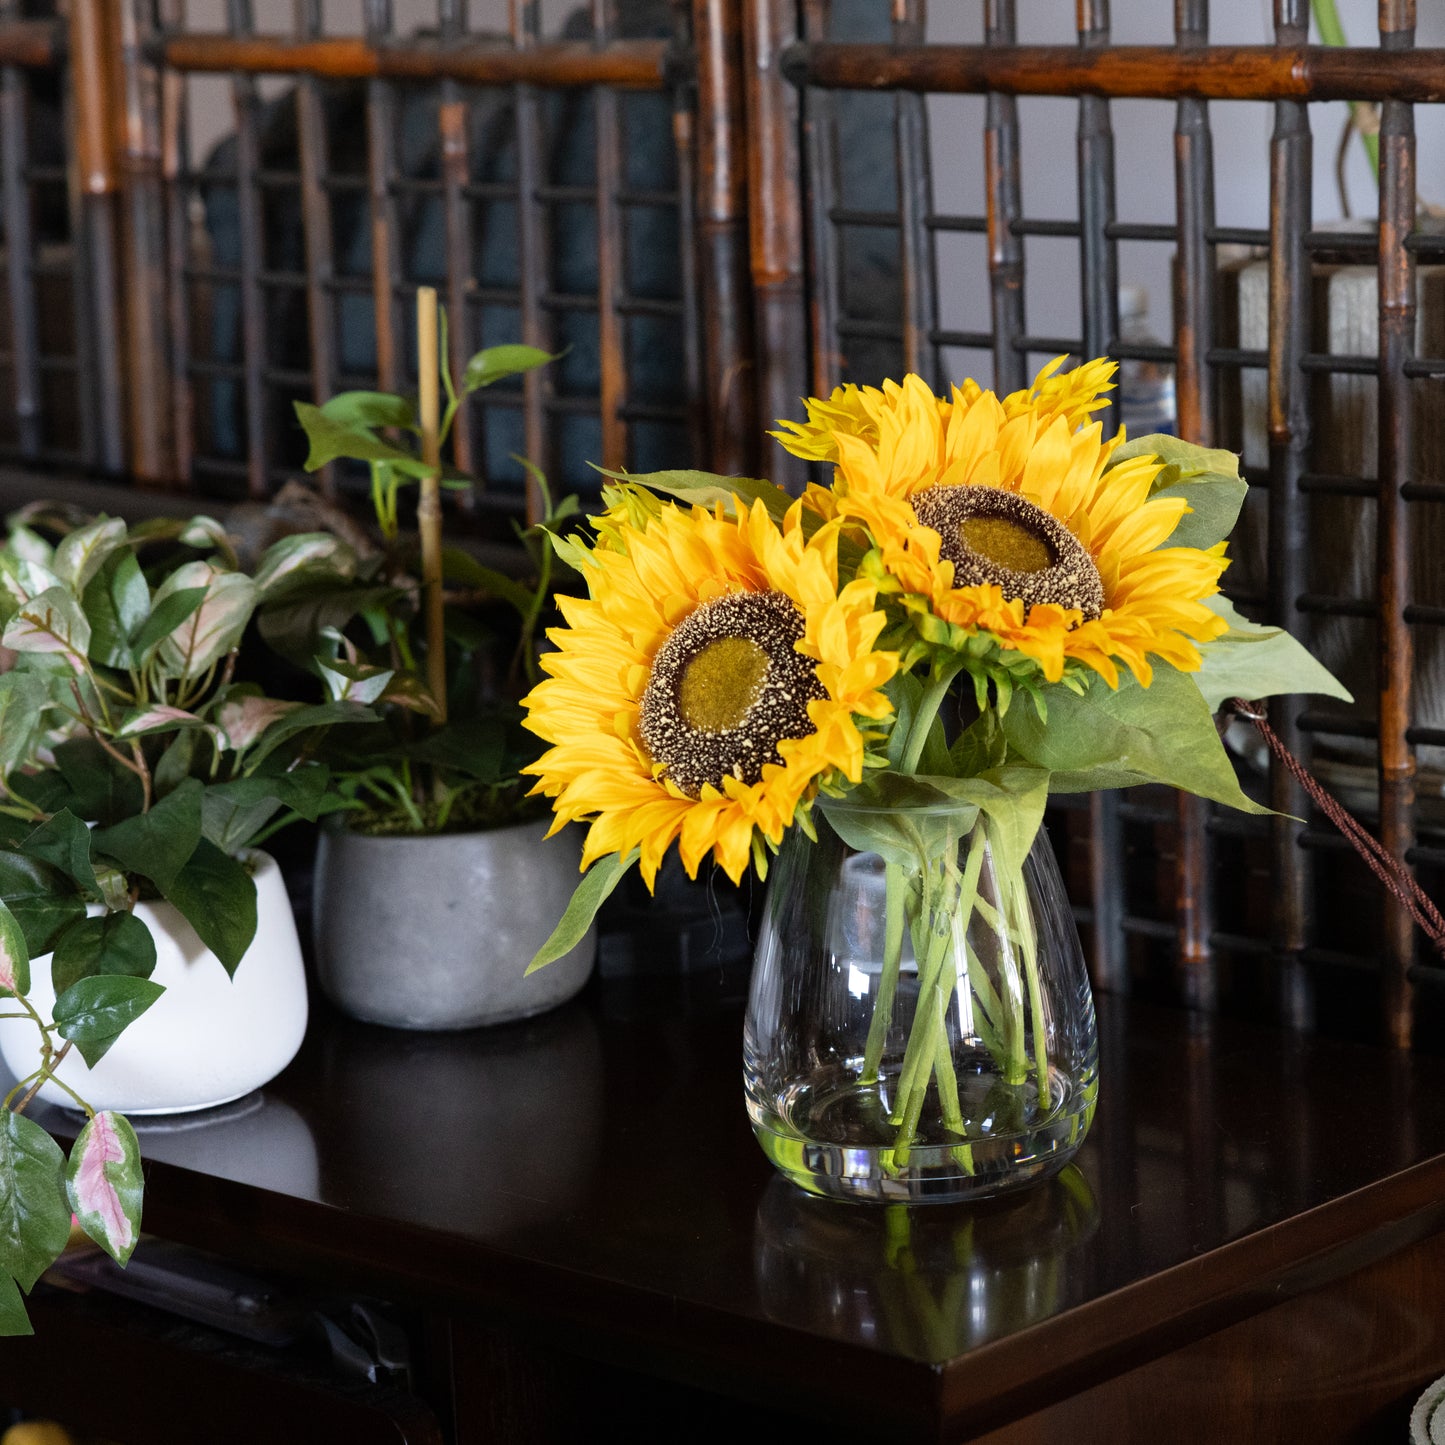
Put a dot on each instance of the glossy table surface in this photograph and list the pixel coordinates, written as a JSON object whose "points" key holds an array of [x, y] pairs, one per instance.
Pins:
{"points": [[590, 1178]]}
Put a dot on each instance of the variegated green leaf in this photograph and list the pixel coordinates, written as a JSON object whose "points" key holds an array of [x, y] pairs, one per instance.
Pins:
{"points": [[104, 1183], [215, 627], [80, 554]]}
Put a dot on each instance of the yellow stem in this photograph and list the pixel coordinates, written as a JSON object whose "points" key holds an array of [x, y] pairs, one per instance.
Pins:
{"points": [[429, 507]]}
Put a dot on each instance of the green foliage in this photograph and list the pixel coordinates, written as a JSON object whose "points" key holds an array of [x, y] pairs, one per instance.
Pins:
{"points": [[1106, 738], [1252, 662], [591, 893], [34, 1214], [1207, 479], [94, 1011], [119, 776], [358, 627]]}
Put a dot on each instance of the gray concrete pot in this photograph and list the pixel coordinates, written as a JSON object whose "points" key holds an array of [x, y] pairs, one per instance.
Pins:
{"points": [[436, 932]]}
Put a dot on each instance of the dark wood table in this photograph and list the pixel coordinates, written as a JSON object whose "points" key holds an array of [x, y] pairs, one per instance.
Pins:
{"points": [[1249, 1247]]}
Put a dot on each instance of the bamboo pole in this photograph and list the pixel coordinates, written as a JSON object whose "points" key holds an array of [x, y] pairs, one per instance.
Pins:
{"points": [[429, 508]]}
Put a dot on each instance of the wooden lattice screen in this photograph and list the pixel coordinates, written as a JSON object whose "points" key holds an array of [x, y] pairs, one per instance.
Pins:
{"points": [[163, 308]]}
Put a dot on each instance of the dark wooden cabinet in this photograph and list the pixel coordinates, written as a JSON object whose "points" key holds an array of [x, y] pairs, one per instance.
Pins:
{"points": [[575, 1217]]}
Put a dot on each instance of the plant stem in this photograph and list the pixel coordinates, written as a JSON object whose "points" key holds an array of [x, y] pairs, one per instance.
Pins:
{"points": [[429, 507], [47, 1071], [895, 885], [1019, 907], [1332, 32], [921, 1057], [933, 696]]}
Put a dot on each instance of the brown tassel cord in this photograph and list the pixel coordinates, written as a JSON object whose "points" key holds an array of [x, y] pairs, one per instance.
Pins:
{"points": [[1390, 870]]}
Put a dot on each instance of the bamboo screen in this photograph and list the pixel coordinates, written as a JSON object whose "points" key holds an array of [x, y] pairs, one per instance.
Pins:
{"points": [[715, 207], [272, 181]]}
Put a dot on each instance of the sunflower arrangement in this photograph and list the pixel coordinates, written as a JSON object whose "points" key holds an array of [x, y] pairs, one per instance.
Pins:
{"points": [[991, 601]]}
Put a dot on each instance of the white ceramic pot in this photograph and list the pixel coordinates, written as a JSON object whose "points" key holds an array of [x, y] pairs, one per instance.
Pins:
{"points": [[436, 932], [209, 1038]]}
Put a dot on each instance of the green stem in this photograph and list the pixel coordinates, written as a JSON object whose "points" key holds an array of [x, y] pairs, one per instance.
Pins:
{"points": [[1008, 886], [921, 1058], [1332, 32], [1024, 920], [895, 885], [932, 699]]}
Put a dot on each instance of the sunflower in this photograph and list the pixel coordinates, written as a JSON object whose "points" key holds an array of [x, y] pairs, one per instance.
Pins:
{"points": [[707, 685], [1006, 517]]}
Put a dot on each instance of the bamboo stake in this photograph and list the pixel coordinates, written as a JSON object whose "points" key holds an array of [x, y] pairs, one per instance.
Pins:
{"points": [[429, 509]]}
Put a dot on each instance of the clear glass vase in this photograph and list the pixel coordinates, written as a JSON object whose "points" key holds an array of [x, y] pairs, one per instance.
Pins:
{"points": [[920, 1025]]}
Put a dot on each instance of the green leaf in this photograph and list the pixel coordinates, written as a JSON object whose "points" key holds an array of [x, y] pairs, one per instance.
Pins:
{"points": [[218, 898], [707, 489], [591, 893], [22, 578], [353, 681], [233, 813], [14, 955], [117, 602], [475, 748], [213, 628], [917, 818], [305, 554], [1207, 478], [13, 1319], [168, 614], [332, 439], [49, 623], [318, 715], [157, 844], [96, 786], [1115, 739], [293, 625], [113, 943], [80, 554], [41, 899], [463, 568], [23, 698], [495, 363], [64, 841], [245, 714], [370, 409], [1252, 662], [104, 1184], [34, 1214], [94, 1012]]}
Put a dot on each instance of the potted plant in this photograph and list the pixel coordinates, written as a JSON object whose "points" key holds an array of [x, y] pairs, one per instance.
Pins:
{"points": [[436, 887], [148, 957]]}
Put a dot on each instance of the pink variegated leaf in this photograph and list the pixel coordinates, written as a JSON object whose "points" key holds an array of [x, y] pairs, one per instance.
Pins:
{"points": [[154, 719], [103, 1181], [244, 719], [14, 956]]}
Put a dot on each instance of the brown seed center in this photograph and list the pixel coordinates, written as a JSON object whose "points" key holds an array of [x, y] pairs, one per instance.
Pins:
{"points": [[1004, 541], [721, 683]]}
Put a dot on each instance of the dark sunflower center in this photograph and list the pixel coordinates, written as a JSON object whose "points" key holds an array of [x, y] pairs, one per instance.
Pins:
{"points": [[994, 536], [726, 688]]}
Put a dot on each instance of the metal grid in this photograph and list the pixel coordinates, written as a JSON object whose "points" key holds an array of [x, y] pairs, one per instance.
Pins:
{"points": [[1176, 896]]}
